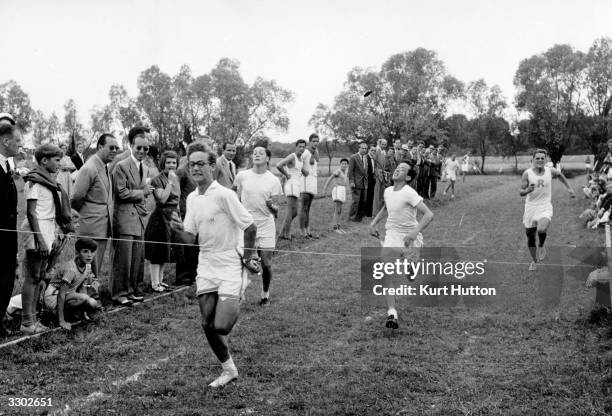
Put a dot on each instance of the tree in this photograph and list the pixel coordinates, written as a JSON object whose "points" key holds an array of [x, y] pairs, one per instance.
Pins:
{"points": [[598, 83], [407, 98], [322, 125], [155, 99], [267, 108], [54, 129], [456, 128], [549, 88], [488, 127], [39, 129], [514, 141], [14, 100]]}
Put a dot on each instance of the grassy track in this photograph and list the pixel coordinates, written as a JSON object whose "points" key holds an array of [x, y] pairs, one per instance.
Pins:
{"points": [[311, 352]]}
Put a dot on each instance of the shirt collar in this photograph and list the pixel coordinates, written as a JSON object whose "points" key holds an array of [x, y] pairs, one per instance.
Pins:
{"points": [[214, 185], [135, 160], [3, 160]]}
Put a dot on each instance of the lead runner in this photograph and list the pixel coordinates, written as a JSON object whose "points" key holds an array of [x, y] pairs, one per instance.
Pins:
{"points": [[402, 227], [536, 184], [220, 221]]}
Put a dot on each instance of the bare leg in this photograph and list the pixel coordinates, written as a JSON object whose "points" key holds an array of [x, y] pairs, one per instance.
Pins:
{"points": [[292, 203]]}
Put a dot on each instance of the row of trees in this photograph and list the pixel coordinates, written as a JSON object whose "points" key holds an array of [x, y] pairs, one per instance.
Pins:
{"points": [[563, 103], [219, 105]]}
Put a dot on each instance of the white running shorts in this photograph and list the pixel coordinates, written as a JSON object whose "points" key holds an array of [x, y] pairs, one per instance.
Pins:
{"points": [[339, 193], [293, 187], [310, 185], [534, 213]]}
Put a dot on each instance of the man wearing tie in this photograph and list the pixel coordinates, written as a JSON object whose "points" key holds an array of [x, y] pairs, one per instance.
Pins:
{"points": [[77, 158], [130, 193], [371, 175], [93, 197], [10, 140], [357, 173], [225, 169]]}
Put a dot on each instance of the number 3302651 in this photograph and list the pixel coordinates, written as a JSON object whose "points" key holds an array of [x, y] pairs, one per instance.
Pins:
{"points": [[29, 402]]}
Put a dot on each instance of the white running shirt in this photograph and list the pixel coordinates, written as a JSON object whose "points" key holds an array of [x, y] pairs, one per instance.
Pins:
{"points": [[541, 195], [401, 206], [255, 189]]}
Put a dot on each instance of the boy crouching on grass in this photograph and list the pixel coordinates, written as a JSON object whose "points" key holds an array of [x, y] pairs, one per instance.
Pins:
{"points": [[68, 290]]}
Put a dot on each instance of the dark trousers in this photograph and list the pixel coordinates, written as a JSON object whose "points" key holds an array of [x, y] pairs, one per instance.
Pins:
{"points": [[7, 283], [128, 266], [358, 206], [433, 186], [370, 198]]}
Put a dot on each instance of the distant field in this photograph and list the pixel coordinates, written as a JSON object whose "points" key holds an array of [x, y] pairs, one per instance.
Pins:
{"points": [[492, 163]]}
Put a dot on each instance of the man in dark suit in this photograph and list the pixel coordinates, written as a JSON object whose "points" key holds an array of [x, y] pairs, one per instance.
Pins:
{"points": [[78, 158], [371, 174], [225, 169], [10, 140], [130, 193], [357, 174]]}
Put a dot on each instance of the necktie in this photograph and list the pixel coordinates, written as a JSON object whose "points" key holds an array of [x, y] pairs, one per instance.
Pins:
{"points": [[140, 171], [365, 166], [8, 168], [231, 164]]}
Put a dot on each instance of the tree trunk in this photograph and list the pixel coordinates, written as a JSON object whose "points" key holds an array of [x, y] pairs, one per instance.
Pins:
{"points": [[482, 164]]}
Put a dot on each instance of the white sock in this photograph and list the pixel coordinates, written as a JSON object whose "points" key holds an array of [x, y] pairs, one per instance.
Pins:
{"points": [[154, 275], [229, 366], [265, 295], [393, 312]]}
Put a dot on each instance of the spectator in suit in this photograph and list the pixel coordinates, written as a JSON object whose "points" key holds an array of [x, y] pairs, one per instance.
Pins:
{"points": [[358, 180], [434, 172], [77, 158], [130, 193], [225, 169], [380, 161], [10, 140], [93, 197], [371, 174]]}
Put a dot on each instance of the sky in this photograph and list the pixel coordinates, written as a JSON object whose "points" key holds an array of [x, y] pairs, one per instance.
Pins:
{"points": [[64, 49]]}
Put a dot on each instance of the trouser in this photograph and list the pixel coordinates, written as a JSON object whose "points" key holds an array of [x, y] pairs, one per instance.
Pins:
{"points": [[370, 199], [100, 251], [7, 281], [358, 204], [433, 186], [128, 266], [379, 197]]}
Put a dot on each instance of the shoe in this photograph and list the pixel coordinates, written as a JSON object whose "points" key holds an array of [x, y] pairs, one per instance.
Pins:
{"points": [[35, 328], [264, 302], [135, 298], [282, 237], [164, 285], [123, 301], [532, 266], [159, 289], [541, 253], [338, 230], [452, 196], [391, 322], [225, 378], [444, 193], [342, 230]]}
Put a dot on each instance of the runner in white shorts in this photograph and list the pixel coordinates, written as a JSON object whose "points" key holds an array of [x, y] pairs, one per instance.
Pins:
{"points": [[259, 190], [536, 184], [465, 165], [309, 191], [292, 167], [225, 231], [452, 166], [338, 194], [402, 203]]}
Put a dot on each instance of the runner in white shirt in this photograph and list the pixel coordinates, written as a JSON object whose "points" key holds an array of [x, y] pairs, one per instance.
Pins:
{"points": [[292, 167], [402, 203], [259, 190], [225, 230], [536, 184], [465, 165], [339, 191], [452, 166], [309, 190]]}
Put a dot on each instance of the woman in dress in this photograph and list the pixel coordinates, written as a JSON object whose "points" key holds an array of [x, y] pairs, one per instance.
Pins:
{"points": [[158, 233]]}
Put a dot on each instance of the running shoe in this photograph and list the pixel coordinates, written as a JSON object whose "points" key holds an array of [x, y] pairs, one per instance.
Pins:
{"points": [[532, 266], [264, 302], [391, 322]]}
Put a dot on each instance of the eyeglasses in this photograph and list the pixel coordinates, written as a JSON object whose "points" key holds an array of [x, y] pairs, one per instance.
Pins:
{"points": [[198, 164], [113, 147], [145, 148]]}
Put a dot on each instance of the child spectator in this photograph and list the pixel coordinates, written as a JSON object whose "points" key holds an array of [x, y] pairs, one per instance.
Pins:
{"points": [[339, 191], [48, 217], [68, 292]]}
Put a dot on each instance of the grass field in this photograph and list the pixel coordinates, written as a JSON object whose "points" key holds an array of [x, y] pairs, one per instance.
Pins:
{"points": [[312, 352]]}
